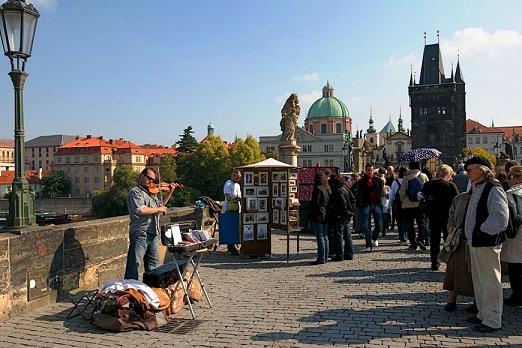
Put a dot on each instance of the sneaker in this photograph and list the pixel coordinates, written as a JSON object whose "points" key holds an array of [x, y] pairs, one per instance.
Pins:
{"points": [[368, 249], [412, 247], [375, 243], [421, 245], [361, 235], [337, 258]]}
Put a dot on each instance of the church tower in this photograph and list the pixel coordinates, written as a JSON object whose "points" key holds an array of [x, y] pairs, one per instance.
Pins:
{"points": [[438, 106]]}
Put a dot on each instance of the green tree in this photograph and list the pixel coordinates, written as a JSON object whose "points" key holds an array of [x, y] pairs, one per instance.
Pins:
{"points": [[478, 151], [271, 154], [258, 155], [113, 202], [167, 168], [245, 152], [206, 169], [187, 142], [55, 184]]}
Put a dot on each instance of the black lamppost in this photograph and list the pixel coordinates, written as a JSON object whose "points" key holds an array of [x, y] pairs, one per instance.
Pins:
{"points": [[17, 31]]}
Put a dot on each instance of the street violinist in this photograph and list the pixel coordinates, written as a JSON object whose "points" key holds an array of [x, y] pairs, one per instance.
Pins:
{"points": [[145, 202]]}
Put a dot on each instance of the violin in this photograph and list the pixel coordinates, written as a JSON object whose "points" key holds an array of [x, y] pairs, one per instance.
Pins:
{"points": [[164, 187]]}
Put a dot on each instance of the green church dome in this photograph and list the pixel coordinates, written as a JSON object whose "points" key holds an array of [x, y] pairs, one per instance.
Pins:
{"points": [[328, 106]]}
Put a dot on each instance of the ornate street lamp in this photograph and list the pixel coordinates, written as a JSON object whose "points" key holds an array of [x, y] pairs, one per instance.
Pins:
{"points": [[470, 154], [17, 31]]}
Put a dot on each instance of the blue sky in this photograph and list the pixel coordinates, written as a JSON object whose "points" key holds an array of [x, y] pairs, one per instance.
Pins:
{"points": [[145, 70]]}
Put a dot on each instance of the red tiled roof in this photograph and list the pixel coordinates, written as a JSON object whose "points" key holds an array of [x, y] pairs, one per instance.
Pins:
{"points": [[7, 143], [508, 131], [472, 125], [7, 176]]}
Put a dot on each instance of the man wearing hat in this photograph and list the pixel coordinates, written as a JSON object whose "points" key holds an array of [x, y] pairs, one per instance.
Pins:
{"points": [[486, 219], [461, 178]]}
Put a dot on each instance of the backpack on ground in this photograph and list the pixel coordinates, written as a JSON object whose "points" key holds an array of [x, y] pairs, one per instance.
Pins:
{"points": [[397, 198], [414, 186]]}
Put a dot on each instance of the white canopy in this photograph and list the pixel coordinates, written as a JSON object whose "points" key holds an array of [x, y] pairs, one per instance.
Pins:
{"points": [[268, 163]]}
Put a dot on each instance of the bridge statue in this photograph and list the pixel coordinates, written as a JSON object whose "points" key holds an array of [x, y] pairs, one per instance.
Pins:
{"points": [[289, 115]]}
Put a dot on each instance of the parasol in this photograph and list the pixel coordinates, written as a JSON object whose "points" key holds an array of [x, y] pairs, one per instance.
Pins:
{"points": [[419, 155]]}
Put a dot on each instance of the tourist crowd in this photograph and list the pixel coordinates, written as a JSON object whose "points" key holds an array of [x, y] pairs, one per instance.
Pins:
{"points": [[463, 218]]}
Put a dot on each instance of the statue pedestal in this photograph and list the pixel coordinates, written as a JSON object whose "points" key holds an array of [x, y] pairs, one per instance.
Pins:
{"points": [[288, 152]]}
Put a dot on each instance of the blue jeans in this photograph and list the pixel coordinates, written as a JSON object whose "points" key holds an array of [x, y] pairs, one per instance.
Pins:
{"points": [[343, 233], [366, 211], [401, 223], [143, 247], [321, 233]]}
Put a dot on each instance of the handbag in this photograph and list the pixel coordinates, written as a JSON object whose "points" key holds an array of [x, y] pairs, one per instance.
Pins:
{"points": [[452, 242]]}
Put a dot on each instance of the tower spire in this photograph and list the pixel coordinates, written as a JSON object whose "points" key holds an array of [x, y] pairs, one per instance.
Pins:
{"points": [[371, 129]]}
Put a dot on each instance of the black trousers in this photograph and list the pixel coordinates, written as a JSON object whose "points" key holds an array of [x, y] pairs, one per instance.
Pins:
{"points": [[437, 224], [515, 280], [410, 216]]}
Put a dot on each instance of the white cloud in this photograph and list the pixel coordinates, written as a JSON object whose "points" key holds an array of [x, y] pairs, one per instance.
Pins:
{"points": [[280, 99], [310, 98], [307, 77], [475, 41], [410, 59], [44, 3]]}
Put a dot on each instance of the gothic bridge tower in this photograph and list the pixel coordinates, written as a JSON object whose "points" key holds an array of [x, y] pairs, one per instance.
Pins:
{"points": [[438, 106]]}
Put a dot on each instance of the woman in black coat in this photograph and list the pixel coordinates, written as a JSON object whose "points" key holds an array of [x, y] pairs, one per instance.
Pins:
{"points": [[318, 216]]}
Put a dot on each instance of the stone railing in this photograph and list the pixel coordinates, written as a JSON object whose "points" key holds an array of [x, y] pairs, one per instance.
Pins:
{"points": [[39, 265]]}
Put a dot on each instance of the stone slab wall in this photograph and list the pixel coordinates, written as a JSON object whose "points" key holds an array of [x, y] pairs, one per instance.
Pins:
{"points": [[39, 265], [80, 206]]}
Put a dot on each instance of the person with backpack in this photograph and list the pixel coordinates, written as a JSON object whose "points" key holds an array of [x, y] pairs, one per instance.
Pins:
{"points": [[486, 219], [410, 187], [342, 203], [396, 206]]}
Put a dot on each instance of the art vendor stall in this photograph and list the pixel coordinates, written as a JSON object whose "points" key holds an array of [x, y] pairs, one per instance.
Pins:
{"points": [[270, 199]]}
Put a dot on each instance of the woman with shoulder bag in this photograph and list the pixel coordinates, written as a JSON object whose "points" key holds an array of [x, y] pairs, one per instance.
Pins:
{"points": [[320, 198], [458, 269]]}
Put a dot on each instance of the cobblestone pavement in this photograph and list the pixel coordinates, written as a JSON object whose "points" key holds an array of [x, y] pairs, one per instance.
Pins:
{"points": [[386, 298]]}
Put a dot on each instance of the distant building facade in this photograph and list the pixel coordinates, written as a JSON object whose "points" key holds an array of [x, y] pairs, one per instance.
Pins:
{"points": [[39, 151], [7, 161], [438, 107], [90, 162], [504, 142]]}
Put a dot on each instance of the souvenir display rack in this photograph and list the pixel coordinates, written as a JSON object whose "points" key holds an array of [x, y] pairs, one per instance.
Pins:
{"points": [[270, 199]]}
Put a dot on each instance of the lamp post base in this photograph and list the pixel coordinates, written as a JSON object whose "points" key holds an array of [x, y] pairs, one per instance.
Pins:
{"points": [[21, 205]]}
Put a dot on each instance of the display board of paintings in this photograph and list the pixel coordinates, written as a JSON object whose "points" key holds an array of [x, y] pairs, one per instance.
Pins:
{"points": [[268, 194]]}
